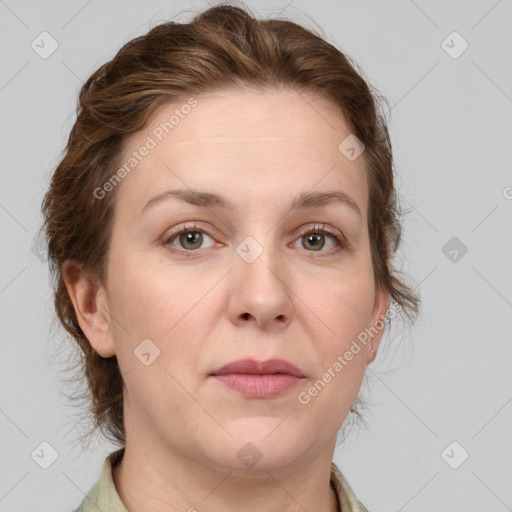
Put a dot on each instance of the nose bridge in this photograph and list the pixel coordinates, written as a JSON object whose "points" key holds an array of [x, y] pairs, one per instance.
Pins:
{"points": [[258, 257], [261, 288]]}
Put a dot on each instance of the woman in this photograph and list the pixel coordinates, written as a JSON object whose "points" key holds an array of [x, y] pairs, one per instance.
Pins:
{"points": [[221, 228]]}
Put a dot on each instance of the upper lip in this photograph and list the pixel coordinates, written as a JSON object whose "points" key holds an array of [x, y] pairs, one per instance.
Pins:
{"points": [[251, 366]]}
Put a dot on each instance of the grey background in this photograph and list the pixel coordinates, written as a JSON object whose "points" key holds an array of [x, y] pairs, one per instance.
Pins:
{"points": [[451, 377]]}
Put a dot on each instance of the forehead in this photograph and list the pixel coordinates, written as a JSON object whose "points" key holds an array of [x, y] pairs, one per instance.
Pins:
{"points": [[250, 113], [248, 142]]}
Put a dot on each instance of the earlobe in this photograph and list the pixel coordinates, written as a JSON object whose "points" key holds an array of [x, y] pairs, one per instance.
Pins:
{"points": [[91, 307], [378, 325]]}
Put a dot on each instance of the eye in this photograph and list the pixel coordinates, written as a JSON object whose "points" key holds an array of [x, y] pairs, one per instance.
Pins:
{"points": [[189, 236], [314, 237]]}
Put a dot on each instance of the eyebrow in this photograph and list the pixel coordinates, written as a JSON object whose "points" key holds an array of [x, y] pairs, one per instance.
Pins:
{"points": [[304, 201]]}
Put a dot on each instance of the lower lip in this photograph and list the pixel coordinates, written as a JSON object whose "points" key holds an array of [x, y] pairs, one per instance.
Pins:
{"points": [[259, 386]]}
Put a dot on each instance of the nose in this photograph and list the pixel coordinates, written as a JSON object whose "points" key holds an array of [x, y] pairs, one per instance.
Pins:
{"points": [[261, 291]]}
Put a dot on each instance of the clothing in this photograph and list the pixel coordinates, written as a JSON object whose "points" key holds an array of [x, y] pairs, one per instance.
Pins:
{"points": [[103, 494]]}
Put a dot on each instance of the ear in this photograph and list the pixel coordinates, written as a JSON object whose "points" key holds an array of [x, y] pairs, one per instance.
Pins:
{"points": [[378, 324], [91, 307]]}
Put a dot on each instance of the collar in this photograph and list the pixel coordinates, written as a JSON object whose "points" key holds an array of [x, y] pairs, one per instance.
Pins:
{"points": [[103, 494]]}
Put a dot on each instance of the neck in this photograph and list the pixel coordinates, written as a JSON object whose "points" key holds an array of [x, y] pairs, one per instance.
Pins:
{"points": [[174, 482]]}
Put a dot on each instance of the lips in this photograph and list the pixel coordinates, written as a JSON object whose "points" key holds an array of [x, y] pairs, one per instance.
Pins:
{"points": [[253, 367], [259, 379]]}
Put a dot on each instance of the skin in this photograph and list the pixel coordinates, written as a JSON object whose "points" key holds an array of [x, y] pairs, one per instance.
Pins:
{"points": [[184, 428]]}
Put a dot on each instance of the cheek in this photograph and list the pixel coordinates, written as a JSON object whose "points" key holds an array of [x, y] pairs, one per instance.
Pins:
{"points": [[162, 305], [339, 306], [145, 297], [338, 313]]}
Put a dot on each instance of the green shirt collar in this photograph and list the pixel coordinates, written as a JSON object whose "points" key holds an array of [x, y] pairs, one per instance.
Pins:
{"points": [[103, 496]]}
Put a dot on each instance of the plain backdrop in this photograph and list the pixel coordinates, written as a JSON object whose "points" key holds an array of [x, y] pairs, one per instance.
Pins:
{"points": [[439, 433]]}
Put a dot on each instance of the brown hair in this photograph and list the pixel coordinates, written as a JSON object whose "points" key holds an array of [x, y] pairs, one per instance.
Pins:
{"points": [[224, 47]]}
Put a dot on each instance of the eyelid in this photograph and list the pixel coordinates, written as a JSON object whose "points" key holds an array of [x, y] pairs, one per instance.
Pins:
{"points": [[188, 226], [322, 228]]}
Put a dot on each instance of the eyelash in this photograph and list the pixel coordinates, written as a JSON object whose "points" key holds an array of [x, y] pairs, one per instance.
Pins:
{"points": [[341, 243]]}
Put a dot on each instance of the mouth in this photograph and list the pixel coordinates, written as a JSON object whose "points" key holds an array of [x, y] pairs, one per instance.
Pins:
{"points": [[263, 379]]}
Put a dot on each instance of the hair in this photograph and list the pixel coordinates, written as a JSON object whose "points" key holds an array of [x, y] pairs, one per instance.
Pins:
{"points": [[223, 48]]}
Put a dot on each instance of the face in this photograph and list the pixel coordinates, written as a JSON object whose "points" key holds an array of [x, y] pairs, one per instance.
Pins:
{"points": [[192, 287]]}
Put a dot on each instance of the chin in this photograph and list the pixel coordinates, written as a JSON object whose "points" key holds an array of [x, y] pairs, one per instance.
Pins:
{"points": [[259, 443]]}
